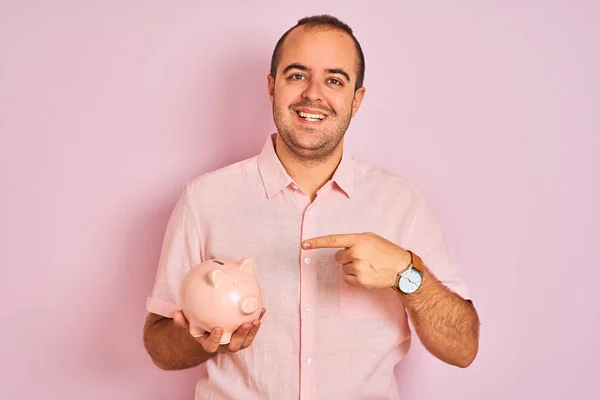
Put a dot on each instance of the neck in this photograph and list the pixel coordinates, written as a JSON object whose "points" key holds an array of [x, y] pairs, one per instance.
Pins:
{"points": [[310, 175]]}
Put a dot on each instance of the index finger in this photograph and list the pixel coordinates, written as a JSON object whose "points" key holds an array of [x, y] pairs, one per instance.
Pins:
{"points": [[262, 312], [331, 241]]}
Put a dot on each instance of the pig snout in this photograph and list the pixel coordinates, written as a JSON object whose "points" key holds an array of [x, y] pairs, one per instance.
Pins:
{"points": [[249, 305]]}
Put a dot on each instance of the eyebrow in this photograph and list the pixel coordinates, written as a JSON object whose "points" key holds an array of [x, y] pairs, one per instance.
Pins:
{"points": [[301, 67]]}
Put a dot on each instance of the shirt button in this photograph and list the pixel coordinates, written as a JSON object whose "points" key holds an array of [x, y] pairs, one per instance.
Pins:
{"points": [[308, 360], [307, 260], [306, 309]]}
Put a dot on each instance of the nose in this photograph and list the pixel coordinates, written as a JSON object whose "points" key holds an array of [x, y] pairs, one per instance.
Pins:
{"points": [[249, 305], [313, 91]]}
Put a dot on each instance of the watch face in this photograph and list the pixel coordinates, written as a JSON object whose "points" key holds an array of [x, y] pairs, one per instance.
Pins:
{"points": [[410, 281]]}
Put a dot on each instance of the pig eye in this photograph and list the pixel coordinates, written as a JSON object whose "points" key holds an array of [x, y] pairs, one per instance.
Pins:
{"points": [[218, 262], [235, 284], [244, 281]]}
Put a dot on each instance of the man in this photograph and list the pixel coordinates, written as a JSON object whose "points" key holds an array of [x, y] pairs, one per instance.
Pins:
{"points": [[343, 251]]}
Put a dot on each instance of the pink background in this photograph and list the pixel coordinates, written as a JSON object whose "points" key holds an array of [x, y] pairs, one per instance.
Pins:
{"points": [[107, 108]]}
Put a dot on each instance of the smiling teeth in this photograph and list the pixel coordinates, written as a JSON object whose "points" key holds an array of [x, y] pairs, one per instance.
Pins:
{"points": [[311, 117]]}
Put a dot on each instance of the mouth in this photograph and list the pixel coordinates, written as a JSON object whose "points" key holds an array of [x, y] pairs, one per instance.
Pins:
{"points": [[311, 116]]}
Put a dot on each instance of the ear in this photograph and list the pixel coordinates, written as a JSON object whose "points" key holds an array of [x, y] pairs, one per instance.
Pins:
{"points": [[215, 276], [357, 101], [247, 265], [271, 87]]}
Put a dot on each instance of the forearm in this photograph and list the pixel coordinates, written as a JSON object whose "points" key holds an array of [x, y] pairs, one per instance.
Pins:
{"points": [[171, 347], [447, 325]]}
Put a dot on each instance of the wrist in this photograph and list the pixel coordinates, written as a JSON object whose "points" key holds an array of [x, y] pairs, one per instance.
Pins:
{"points": [[409, 278]]}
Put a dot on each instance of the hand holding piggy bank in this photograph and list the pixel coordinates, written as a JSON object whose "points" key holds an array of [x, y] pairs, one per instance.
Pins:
{"points": [[220, 294]]}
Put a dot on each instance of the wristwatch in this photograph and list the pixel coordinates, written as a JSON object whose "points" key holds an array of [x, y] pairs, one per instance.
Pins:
{"points": [[409, 280]]}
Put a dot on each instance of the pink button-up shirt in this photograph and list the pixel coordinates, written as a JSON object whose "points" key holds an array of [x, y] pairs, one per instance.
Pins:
{"points": [[320, 338]]}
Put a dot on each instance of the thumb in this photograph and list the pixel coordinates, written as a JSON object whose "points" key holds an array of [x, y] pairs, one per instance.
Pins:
{"points": [[179, 319]]}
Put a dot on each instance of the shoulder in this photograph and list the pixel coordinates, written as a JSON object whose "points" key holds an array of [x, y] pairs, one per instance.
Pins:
{"points": [[220, 180], [375, 178]]}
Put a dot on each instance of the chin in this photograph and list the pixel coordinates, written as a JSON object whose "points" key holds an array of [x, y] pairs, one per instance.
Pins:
{"points": [[309, 139]]}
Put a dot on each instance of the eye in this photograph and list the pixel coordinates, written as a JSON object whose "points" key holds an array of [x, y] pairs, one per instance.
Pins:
{"points": [[336, 82], [296, 77]]}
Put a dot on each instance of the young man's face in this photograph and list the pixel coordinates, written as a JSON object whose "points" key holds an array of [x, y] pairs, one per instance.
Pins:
{"points": [[313, 94]]}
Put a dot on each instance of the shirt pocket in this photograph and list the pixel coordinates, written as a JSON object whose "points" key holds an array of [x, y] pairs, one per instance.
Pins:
{"points": [[356, 302]]}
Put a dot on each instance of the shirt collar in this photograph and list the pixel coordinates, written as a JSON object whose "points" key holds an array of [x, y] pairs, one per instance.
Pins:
{"points": [[275, 178]]}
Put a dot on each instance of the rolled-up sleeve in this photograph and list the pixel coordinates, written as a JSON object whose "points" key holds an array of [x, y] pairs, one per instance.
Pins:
{"points": [[181, 249], [426, 239]]}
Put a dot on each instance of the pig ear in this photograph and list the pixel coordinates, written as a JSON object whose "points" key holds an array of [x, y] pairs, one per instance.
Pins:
{"points": [[215, 276], [247, 265]]}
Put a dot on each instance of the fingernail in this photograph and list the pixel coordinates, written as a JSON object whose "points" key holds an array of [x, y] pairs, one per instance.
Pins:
{"points": [[306, 245]]}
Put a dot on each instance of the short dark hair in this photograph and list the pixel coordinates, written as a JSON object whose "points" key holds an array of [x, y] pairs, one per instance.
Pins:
{"points": [[322, 21]]}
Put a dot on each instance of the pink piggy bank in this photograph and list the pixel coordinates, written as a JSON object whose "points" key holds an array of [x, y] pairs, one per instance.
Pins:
{"points": [[220, 293]]}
